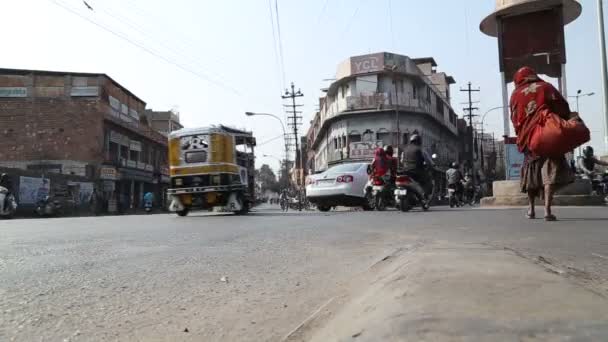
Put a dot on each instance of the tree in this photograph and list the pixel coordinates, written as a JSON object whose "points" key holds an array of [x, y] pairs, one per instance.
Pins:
{"points": [[267, 178]]}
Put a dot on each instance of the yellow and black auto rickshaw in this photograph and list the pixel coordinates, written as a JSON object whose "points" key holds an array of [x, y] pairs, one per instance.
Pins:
{"points": [[211, 167]]}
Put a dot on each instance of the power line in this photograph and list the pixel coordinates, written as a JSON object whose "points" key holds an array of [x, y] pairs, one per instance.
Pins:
{"points": [[390, 17], [352, 17], [322, 12], [176, 51], [281, 71], [270, 140], [146, 49], [276, 9]]}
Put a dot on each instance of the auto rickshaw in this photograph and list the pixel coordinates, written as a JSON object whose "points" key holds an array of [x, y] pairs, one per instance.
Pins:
{"points": [[211, 168]]}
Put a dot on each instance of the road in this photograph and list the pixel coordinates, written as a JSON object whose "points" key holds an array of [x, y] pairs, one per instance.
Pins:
{"points": [[255, 278]]}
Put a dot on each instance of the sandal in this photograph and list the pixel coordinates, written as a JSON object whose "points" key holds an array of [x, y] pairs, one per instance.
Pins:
{"points": [[530, 216], [550, 218]]}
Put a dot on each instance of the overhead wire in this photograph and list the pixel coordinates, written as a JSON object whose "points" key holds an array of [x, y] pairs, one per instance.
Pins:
{"points": [[147, 49], [321, 15], [390, 19], [175, 50], [350, 20], [281, 71], [276, 9]]}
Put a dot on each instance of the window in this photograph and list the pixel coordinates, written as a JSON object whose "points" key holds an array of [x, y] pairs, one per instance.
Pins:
{"points": [[354, 137], [414, 92], [113, 152], [439, 105], [344, 141], [428, 94], [383, 136], [335, 144]]}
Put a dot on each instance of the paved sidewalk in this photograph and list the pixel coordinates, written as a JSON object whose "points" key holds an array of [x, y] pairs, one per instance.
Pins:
{"points": [[449, 292]]}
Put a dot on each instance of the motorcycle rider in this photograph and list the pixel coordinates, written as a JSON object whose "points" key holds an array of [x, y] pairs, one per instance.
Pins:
{"points": [[588, 162], [5, 185], [454, 178], [415, 162]]}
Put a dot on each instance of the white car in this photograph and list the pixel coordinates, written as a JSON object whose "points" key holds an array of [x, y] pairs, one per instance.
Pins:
{"points": [[340, 185]]}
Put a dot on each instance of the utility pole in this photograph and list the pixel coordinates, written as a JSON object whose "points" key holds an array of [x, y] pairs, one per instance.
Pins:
{"points": [[470, 114], [604, 68], [294, 121]]}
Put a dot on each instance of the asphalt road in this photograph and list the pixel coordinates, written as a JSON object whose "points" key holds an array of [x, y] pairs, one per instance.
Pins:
{"points": [[232, 278]]}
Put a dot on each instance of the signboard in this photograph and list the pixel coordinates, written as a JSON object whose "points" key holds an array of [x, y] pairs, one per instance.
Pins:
{"points": [[108, 186], [31, 190], [108, 173], [13, 92], [515, 160], [85, 190], [116, 137], [371, 101], [364, 149], [84, 91], [135, 146], [132, 163], [149, 167], [367, 63]]}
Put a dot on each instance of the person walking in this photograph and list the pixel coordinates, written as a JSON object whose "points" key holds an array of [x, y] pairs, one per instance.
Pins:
{"points": [[539, 175]]}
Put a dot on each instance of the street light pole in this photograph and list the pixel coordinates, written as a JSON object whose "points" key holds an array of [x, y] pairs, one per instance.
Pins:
{"points": [[284, 136], [604, 68]]}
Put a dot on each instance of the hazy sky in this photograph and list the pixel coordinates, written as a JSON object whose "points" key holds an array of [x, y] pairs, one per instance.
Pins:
{"points": [[229, 49]]}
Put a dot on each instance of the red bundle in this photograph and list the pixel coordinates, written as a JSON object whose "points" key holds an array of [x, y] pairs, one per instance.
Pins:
{"points": [[542, 118]]}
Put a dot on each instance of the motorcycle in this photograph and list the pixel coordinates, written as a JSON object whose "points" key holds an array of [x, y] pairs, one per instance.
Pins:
{"points": [[47, 207], [8, 204], [453, 197], [408, 194], [381, 191]]}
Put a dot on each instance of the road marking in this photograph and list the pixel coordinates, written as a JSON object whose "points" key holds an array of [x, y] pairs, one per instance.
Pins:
{"points": [[600, 256]]}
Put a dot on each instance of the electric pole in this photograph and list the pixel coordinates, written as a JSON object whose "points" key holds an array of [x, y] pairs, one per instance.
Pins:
{"points": [[294, 120], [469, 110]]}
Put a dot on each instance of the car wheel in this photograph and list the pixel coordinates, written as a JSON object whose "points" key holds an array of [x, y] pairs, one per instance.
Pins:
{"points": [[324, 208], [183, 213]]}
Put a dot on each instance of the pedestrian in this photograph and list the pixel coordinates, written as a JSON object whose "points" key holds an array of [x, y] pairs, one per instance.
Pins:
{"points": [[540, 175]]}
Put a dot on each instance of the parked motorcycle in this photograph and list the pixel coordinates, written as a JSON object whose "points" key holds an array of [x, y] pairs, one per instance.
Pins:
{"points": [[47, 207], [8, 203], [406, 194]]}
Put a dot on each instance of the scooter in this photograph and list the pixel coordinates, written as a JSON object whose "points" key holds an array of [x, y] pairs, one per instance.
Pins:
{"points": [[381, 192], [408, 194], [46, 207], [8, 204]]}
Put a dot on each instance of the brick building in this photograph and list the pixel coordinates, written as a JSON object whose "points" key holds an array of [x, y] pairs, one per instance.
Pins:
{"points": [[81, 124]]}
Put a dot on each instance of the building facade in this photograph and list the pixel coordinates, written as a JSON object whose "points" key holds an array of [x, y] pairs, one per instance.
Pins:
{"points": [[82, 124], [382, 99], [164, 122]]}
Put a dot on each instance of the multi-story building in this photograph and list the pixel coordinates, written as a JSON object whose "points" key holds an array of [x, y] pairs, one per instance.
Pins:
{"points": [[81, 124], [381, 99], [164, 121]]}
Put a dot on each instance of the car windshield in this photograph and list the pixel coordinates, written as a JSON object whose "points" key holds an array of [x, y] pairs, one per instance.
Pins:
{"points": [[344, 168]]}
